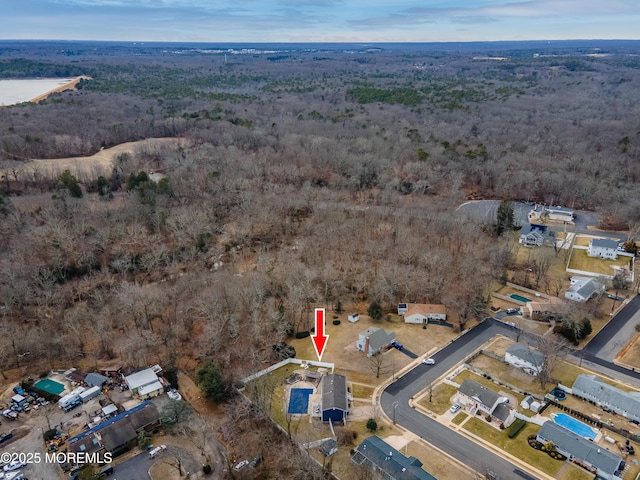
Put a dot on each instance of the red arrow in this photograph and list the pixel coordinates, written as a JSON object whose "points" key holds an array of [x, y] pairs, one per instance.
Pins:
{"points": [[318, 337]]}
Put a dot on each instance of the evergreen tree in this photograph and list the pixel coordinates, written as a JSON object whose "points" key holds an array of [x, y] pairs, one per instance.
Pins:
{"points": [[505, 217]]}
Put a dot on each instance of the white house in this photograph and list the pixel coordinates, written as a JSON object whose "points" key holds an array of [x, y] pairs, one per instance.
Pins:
{"points": [[603, 248], [592, 388], [478, 398], [421, 313], [529, 360], [144, 383], [557, 214], [374, 339], [599, 460], [583, 288]]}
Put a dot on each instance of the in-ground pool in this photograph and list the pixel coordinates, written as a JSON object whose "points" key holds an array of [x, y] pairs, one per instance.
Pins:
{"points": [[520, 298], [574, 425], [299, 400]]}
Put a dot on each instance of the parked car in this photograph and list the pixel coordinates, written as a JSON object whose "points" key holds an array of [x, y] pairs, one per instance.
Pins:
{"points": [[15, 465], [5, 436], [397, 345], [429, 361], [513, 311], [240, 465], [511, 324], [455, 408], [253, 463], [10, 414], [155, 451]]}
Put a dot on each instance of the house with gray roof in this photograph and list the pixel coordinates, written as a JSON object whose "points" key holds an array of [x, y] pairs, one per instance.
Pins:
{"points": [[603, 248], [478, 398], [533, 235], [583, 288], [95, 380], [373, 340], [578, 449], [335, 404], [387, 462], [521, 356], [592, 388]]}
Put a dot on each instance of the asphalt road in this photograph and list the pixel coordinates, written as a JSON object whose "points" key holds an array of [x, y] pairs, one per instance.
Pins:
{"points": [[395, 397], [485, 210], [615, 334], [136, 468]]}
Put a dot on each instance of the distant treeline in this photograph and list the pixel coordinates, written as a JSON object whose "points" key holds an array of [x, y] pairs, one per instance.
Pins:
{"points": [[23, 68]]}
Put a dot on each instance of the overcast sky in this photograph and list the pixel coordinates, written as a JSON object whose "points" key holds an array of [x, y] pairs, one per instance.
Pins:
{"points": [[320, 20]]}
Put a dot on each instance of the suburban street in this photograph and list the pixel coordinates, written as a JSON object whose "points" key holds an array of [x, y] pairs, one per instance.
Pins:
{"points": [[396, 396]]}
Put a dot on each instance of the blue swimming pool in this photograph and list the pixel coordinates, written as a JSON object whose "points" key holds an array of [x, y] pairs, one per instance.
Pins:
{"points": [[299, 400], [520, 298], [574, 425]]}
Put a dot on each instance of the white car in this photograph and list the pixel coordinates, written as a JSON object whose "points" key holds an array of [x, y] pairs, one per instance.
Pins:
{"points": [[155, 451], [240, 465], [13, 476], [15, 465], [429, 361], [455, 408], [174, 394]]}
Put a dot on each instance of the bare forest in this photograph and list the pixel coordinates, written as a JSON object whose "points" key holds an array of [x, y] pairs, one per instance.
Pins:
{"points": [[302, 178]]}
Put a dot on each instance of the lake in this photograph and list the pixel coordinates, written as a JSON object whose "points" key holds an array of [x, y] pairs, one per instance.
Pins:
{"points": [[23, 90]]}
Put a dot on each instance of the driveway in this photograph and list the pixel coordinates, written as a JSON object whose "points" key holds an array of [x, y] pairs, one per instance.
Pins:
{"points": [[136, 468], [396, 396], [485, 210]]}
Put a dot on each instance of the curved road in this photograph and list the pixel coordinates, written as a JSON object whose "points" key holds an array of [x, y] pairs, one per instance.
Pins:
{"points": [[395, 397]]}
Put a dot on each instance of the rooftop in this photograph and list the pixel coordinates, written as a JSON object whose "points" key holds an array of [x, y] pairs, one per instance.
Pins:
{"points": [[527, 354], [484, 395], [334, 392], [425, 309]]}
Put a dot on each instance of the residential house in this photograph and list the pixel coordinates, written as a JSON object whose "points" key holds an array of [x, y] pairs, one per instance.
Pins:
{"points": [[373, 340], [478, 398], [541, 213], [421, 313], [91, 443], [592, 388], [387, 462], [520, 356], [118, 437], [75, 376], [583, 288], [603, 248], [543, 311], [533, 235], [95, 380], [577, 449], [144, 384], [335, 403]]}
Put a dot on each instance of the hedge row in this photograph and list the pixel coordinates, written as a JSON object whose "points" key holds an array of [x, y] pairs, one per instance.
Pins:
{"points": [[304, 334], [516, 427]]}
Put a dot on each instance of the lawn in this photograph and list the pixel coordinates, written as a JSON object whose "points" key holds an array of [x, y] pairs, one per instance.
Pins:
{"points": [[581, 261], [362, 391], [459, 418], [631, 353], [518, 446], [440, 398]]}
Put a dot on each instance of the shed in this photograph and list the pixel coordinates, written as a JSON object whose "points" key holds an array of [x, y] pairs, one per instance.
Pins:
{"points": [[109, 410], [354, 317], [137, 380]]}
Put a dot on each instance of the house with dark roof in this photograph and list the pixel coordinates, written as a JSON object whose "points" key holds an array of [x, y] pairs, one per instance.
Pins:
{"points": [[373, 340], [335, 403], [387, 462], [592, 388], [583, 288], [95, 380], [533, 235], [74, 375], [477, 398], [518, 355], [118, 437], [603, 248], [577, 449], [89, 444], [421, 313]]}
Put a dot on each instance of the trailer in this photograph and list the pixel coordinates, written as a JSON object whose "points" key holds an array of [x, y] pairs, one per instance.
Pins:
{"points": [[71, 398], [19, 400], [90, 394]]}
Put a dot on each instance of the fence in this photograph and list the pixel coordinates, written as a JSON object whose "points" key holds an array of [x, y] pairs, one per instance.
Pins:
{"points": [[276, 366]]}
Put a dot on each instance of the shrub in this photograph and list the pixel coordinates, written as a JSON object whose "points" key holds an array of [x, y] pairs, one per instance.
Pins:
{"points": [[206, 469], [372, 425], [304, 334], [49, 434], [488, 418], [516, 427]]}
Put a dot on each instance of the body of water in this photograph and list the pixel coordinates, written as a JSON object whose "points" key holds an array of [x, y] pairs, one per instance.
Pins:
{"points": [[22, 90]]}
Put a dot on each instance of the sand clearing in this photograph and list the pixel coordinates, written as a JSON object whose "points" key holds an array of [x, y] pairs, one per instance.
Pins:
{"points": [[67, 86]]}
